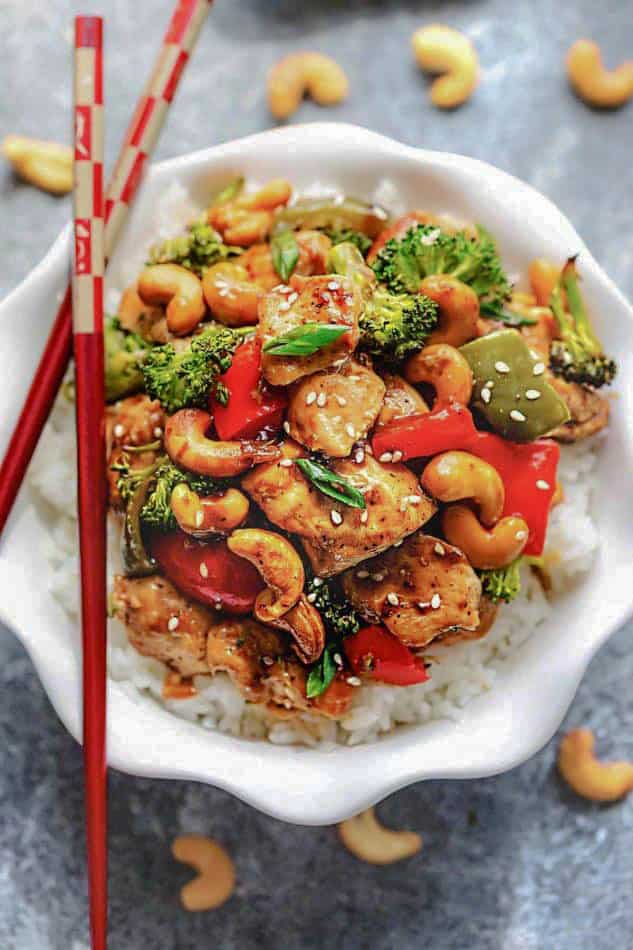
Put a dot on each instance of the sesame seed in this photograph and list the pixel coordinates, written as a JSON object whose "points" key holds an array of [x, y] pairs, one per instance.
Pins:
{"points": [[311, 598], [393, 598], [311, 397], [199, 519], [341, 400], [338, 659], [377, 577], [489, 383], [486, 395], [362, 574], [284, 305], [321, 400], [267, 660], [204, 570], [336, 517], [353, 681], [286, 427], [436, 601], [440, 549], [517, 415], [542, 484], [158, 432], [397, 456], [502, 367], [415, 499], [224, 292], [333, 285], [317, 581], [118, 431], [386, 457], [364, 516], [351, 431], [359, 456], [538, 369], [172, 623], [521, 535], [218, 606], [422, 604], [293, 296], [286, 463], [532, 394]]}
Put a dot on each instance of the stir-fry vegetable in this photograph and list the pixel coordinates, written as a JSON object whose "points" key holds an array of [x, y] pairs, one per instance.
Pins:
{"points": [[334, 214], [285, 253], [305, 340], [124, 356], [338, 615], [331, 484], [376, 653], [251, 406], [196, 250], [578, 356], [502, 583]]}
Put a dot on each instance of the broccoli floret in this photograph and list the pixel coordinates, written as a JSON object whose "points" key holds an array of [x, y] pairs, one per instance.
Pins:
{"points": [[124, 355], [196, 250], [395, 325], [185, 379], [578, 356], [502, 583], [424, 250], [348, 236], [338, 615], [162, 477]]}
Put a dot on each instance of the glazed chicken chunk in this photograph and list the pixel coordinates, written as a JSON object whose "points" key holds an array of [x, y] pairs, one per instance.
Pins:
{"points": [[589, 410], [331, 410], [246, 650], [422, 589], [401, 399], [328, 299], [162, 623], [334, 535]]}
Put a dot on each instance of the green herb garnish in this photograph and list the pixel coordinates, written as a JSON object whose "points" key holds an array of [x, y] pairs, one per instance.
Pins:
{"points": [[285, 252], [321, 674], [305, 340], [231, 191], [331, 484], [512, 319]]}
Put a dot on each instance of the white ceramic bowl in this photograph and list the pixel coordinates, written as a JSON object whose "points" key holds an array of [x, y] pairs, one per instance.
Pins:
{"points": [[531, 694]]}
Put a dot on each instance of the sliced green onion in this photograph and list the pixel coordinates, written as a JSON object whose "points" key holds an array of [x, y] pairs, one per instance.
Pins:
{"points": [[305, 340], [285, 253], [331, 484]]}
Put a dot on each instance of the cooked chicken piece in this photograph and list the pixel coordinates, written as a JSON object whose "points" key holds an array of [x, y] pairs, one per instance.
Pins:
{"points": [[287, 684], [487, 615], [162, 623], [331, 410], [334, 535], [589, 410], [419, 590], [138, 317], [246, 650], [327, 299], [401, 399], [135, 420]]}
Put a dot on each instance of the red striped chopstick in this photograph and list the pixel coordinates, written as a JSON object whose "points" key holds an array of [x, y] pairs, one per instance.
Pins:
{"points": [[140, 139], [87, 306]]}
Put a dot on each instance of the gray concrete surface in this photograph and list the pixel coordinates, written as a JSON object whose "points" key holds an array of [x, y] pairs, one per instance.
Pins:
{"points": [[510, 863]]}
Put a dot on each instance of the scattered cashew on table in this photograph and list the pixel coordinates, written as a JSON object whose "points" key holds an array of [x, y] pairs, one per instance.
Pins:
{"points": [[305, 73], [440, 49], [47, 165], [588, 776], [596, 85], [368, 840], [216, 872]]}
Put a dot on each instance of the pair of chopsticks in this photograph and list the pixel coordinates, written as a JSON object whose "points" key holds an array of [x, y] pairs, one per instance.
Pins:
{"points": [[78, 327]]}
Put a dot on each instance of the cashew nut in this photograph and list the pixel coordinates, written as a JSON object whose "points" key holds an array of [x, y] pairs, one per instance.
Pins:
{"points": [[137, 317], [595, 780], [187, 444], [445, 369], [600, 87], [368, 840], [215, 514], [305, 626], [279, 565], [455, 475], [305, 73], [439, 49], [216, 872], [248, 218], [177, 287], [232, 296], [459, 309], [544, 276], [484, 548], [46, 165]]}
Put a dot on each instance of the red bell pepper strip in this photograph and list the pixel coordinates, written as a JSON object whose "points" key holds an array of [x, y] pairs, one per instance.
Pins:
{"points": [[253, 405], [375, 652], [528, 470], [207, 571]]}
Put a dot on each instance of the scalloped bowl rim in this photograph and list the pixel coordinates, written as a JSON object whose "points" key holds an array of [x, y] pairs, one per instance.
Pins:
{"points": [[498, 730]]}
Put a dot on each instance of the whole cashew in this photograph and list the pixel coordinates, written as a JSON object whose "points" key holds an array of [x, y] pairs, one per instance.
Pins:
{"points": [[484, 548], [215, 514], [459, 309], [187, 444], [216, 872], [368, 840], [178, 288], [314, 74], [604, 88], [248, 218], [305, 626], [454, 476], [544, 276], [439, 49], [279, 565], [595, 780], [231, 294], [46, 165], [445, 369]]}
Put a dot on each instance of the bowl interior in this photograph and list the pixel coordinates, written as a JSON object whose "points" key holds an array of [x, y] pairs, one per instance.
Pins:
{"points": [[535, 686]]}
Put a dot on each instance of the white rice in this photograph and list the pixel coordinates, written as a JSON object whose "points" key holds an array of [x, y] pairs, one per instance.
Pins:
{"points": [[459, 673]]}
